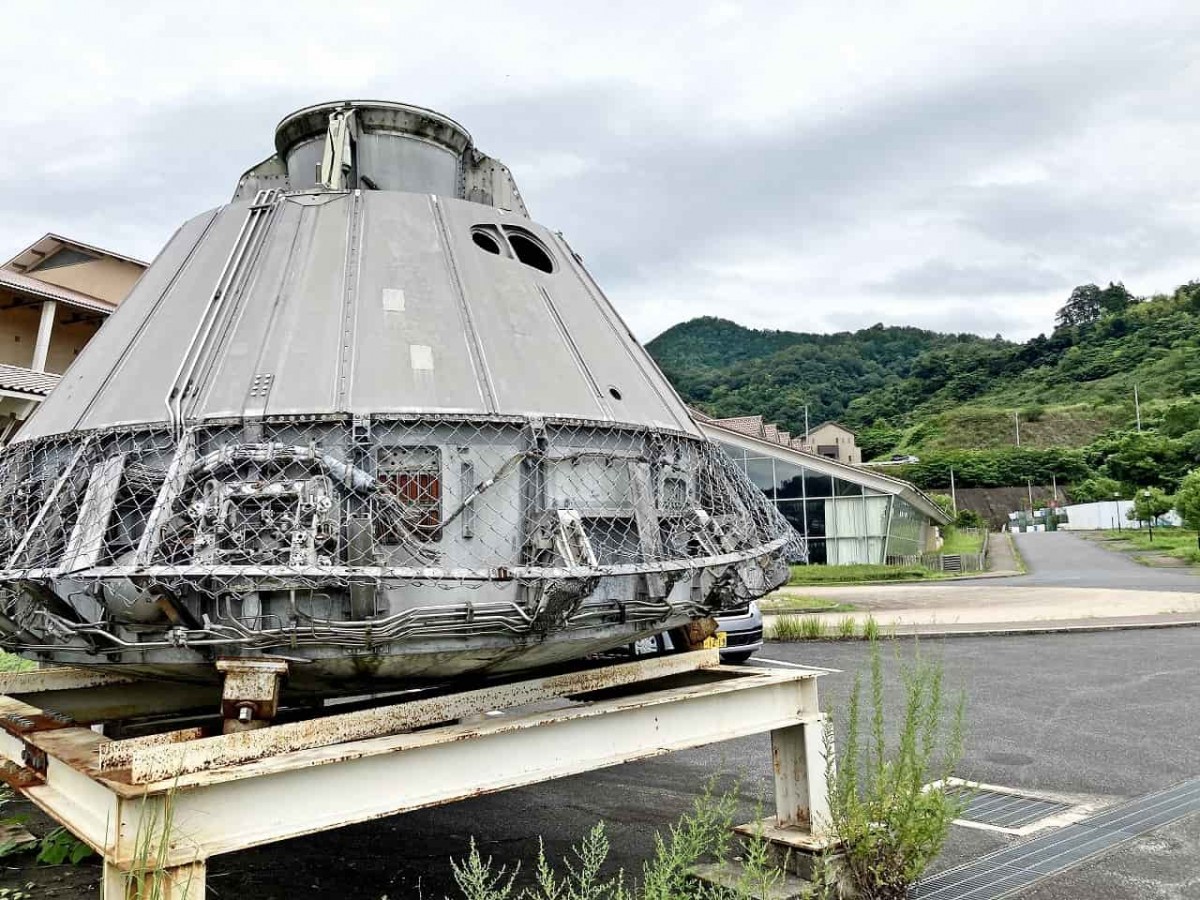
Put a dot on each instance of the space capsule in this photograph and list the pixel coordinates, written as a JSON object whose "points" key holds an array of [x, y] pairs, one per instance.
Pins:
{"points": [[371, 419]]}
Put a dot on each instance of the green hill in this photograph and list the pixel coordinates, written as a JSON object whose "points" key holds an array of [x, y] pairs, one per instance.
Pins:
{"points": [[942, 395], [728, 370]]}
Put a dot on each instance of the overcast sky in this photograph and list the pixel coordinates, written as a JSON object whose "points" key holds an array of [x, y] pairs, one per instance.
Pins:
{"points": [[807, 166]]}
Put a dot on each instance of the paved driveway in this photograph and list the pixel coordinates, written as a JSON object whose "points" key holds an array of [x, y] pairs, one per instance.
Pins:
{"points": [[1061, 559], [1071, 583]]}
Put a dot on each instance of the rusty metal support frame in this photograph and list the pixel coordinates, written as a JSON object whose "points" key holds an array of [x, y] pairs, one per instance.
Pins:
{"points": [[353, 767]]}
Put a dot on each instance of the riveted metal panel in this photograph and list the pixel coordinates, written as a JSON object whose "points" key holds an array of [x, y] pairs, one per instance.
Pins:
{"points": [[303, 349], [413, 350]]}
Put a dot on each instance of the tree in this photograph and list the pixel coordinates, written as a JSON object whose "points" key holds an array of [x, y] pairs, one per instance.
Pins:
{"points": [[1092, 490], [945, 502], [1082, 307], [968, 518], [1089, 302], [1187, 502], [1149, 504], [1115, 298]]}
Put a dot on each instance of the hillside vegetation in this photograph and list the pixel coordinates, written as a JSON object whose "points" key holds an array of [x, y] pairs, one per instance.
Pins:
{"points": [[728, 370], [951, 399]]}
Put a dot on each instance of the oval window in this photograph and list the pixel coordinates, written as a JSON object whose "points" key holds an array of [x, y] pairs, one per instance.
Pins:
{"points": [[485, 241], [529, 250]]}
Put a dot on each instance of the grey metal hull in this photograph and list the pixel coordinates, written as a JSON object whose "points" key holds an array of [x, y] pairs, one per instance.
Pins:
{"points": [[379, 433]]}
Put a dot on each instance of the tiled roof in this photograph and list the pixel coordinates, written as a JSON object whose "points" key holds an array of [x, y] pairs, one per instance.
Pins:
{"points": [[26, 285], [27, 381], [752, 425]]}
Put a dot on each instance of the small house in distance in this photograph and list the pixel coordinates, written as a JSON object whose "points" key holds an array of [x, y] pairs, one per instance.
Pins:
{"points": [[832, 441], [54, 296]]}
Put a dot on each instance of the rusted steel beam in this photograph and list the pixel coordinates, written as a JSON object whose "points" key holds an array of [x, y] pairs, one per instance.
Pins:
{"points": [[149, 764], [119, 754], [59, 678], [276, 798]]}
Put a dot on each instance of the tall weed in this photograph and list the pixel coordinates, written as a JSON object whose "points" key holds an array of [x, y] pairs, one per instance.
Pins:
{"points": [[890, 824]]}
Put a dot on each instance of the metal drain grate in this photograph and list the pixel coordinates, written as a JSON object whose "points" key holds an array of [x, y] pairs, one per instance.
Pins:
{"points": [[1011, 869], [1002, 809]]}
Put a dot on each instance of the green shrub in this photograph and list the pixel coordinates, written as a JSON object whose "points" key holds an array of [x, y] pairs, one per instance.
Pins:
{"points": [[704, 833], [1187, 501], [784, 627], [1093, 490], [847, 629], [891, 824], [60, 847], [968, 518]]}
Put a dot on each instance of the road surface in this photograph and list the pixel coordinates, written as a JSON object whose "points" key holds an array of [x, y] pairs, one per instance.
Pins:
{"points": [[1062, 559]]}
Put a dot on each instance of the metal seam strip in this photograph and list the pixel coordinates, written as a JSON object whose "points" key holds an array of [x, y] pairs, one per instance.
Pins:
{"points": [[483, 374]]}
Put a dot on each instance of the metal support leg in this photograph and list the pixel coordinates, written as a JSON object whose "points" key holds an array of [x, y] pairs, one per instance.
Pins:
{"points": [[184, 882], [250, 696], [800, 831], [801, 786]]}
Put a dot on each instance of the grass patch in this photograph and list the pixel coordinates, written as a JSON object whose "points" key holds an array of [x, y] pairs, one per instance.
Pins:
{"points": [[789, 627], [959, 540], [783, 603], [860, 573], [1179, 543], [10, 662], [796, 628]]}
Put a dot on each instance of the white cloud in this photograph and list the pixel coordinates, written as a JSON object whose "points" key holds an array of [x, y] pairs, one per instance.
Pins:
{"points": [[806, 166]]}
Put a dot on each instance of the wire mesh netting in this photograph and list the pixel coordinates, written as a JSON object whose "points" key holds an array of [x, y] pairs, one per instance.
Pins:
{"points": [[331, 532]]}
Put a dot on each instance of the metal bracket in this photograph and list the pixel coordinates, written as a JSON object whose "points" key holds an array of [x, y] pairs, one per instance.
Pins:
{"points": [[250, 695]]}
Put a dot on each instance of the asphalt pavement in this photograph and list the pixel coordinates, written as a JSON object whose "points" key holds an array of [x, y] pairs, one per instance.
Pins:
{"points": [[1062, 559], [1072, 583]]}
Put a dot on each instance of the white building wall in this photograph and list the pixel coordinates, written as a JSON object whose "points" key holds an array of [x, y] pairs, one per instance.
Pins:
{"points": [[1105, 514]]}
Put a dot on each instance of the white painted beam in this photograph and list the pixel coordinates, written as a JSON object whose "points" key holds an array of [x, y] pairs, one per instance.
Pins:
{"points": [[41, 349]]}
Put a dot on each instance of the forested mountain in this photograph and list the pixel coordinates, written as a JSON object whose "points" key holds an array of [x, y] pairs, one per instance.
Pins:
{"points": [[728, 370], [943, 396]]}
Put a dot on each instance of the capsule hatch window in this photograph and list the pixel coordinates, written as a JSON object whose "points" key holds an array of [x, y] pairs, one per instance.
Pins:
{"points": [[514, 243]]}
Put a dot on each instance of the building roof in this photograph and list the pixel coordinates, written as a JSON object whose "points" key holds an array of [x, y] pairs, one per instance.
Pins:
{"points": [[23, 284], [51, 243], [26, 381], [717, 430], [838, 425]]}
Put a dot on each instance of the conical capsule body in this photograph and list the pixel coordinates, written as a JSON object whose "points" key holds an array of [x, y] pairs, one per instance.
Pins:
{"points": [[370, 418]]}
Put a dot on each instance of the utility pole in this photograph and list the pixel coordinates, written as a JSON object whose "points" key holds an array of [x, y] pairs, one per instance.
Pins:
{"points": [[806, 422], [1054, 483], [1137, 406], [1017, 424], [1029, 484], [953, 495]]}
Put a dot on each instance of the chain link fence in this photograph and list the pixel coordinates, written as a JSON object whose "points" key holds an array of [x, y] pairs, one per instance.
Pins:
{"points": [[331, 533]]}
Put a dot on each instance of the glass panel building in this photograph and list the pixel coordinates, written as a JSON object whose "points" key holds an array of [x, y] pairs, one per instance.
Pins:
{"points": [[845, 514]]}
